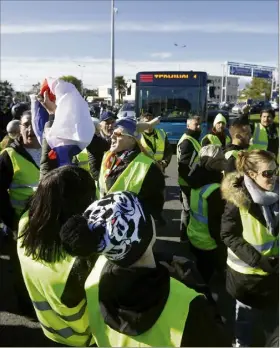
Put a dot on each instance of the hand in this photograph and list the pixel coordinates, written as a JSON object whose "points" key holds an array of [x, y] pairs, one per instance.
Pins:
{"points": [[267, 265], [49, 105]]}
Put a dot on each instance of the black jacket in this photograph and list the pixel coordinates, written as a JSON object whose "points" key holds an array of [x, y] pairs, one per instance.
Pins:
{"points": [[202, 176], [168, 150], [187, 155], [230, 166], [254, 290], [272, 134], [140, 295], [7, 213], [96, 149], [152, 190]]}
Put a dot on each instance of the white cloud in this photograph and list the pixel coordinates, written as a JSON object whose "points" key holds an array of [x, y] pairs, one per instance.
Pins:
{"points": [[166, 27], [162, 55], [22, 72]]}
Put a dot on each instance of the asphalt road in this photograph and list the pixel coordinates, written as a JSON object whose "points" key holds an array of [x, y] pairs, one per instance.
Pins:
{"points": [[18, 331]]}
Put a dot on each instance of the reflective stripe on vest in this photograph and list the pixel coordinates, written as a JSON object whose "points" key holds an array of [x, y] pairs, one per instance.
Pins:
{"points": [[167, 330], [215, 140], [230, 153], [194, 160], [197, 229], [25, 180], [131, 179], [159, 144], [257, 235], [82, 160], [45, 283]]}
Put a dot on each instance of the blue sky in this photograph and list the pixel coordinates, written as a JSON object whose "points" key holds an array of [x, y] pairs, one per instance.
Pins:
{"points": [[40, 38]]}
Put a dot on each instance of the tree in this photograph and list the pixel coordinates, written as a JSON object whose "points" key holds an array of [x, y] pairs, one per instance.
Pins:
{"points": [[35, 89], [121, 86], [257, 89], [90, 92], [6, 89], [75, 81]]}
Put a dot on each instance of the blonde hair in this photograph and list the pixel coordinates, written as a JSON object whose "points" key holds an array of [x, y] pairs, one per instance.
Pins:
{"points": [[249, 160]]}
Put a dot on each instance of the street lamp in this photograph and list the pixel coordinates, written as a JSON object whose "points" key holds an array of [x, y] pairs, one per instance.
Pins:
{"points": [[179, 46], [82, 67], [113, 12]]}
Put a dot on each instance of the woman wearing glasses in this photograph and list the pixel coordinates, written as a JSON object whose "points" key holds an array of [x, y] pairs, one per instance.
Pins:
{"points": [[249, 229], [126, 167]]}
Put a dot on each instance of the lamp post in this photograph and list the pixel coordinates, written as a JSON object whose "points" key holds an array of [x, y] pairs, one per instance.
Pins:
{"points": [[82, 75], [179, 46], [113, 12]]}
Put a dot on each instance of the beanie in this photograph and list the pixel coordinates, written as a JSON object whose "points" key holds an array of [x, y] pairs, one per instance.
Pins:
{"points": [[13, 126], [129, 125], [115, 226], [219, 118]]}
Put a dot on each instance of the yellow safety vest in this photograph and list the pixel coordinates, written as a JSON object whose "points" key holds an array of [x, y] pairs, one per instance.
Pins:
{"points": [[197, 229], [230, 153], [45, 283], [215, 140], [256, 235], [194, 160], [82, 160], [260, 139], [25, 180], [166, 332], [131, 178], [159, 142]]}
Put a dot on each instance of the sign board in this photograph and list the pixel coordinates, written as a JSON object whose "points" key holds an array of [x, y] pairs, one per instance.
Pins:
{"points": [[240, 71], [251, 66], [264, 74]]}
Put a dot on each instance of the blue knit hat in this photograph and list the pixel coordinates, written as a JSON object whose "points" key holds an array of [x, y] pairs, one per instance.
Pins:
{"points": [[129, 126]]}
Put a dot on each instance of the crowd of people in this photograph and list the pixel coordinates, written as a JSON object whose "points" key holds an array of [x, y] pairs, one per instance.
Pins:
{"points": [[80, 236]]}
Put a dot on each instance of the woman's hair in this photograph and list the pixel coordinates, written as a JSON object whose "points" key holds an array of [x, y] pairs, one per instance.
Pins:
{"points": [[62, 193], [249, 160], [209, 151]]}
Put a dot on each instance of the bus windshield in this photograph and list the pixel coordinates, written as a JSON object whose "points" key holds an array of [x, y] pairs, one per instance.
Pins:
{"points": [[172, 101]]}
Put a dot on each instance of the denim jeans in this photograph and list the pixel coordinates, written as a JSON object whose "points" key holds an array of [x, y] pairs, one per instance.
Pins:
{"points": [[247, 320]]}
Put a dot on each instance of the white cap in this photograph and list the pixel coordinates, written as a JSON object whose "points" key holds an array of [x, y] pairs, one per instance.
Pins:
{"points": [[219, 118]]}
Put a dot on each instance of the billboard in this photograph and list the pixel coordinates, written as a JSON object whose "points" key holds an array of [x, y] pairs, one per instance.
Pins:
{"points": [[264, 74], [240, 71]]}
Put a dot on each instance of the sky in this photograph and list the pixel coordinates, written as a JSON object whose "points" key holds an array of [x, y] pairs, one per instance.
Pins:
{"points": [[54, 38]]}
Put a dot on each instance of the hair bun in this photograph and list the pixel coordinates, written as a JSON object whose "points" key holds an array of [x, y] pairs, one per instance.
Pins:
{"points": [[77, 238]]}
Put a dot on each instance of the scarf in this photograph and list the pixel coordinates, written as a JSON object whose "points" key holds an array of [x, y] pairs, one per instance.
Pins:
{"points": [[113, 161], [268, 201]]}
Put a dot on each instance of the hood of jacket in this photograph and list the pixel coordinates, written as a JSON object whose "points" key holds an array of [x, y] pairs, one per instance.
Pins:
{"points": [[132, 299], [234, 191]]}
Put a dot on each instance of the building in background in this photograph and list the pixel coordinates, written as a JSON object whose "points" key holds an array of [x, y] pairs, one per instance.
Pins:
{"points": [[232, 88], [105, 92]]}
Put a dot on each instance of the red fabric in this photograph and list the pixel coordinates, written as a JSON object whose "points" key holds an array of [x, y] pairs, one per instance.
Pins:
{"points": [[52, 155], [45, 87]]}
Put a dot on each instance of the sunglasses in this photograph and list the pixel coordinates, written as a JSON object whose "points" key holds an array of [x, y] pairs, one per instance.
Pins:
{"points": [[270, 173]]}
